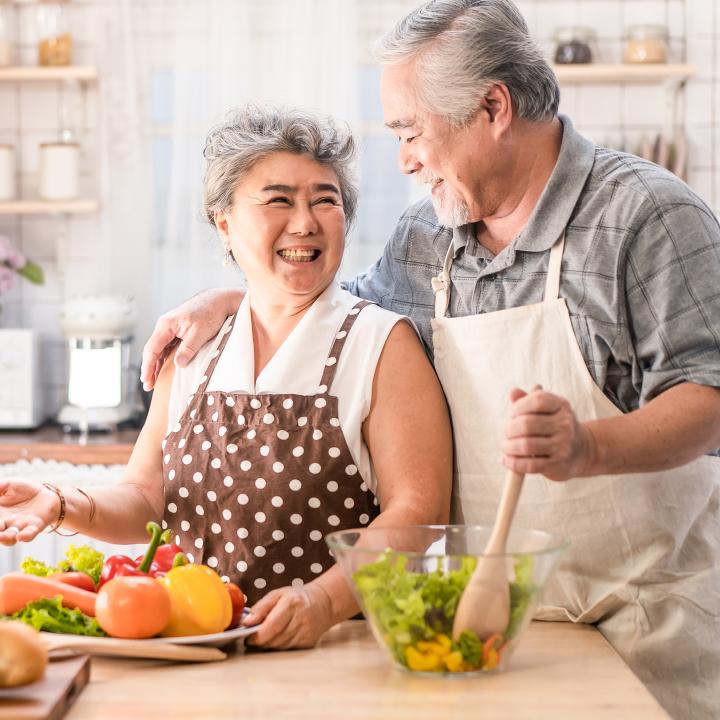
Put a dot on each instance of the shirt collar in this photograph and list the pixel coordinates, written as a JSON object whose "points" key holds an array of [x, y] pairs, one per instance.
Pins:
{"points": [[557, 202]]}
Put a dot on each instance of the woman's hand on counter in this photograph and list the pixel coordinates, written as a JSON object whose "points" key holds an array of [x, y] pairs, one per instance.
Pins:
{"points": [[290, 617], [26, 508]]}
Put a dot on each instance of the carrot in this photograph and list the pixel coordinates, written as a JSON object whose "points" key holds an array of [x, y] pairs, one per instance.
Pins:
{"points": [[17, 589]]}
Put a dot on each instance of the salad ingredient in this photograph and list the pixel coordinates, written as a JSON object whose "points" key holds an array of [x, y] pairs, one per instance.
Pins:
{"points": [[415, 611], [17, 589], [237, 598], [78, 579], [81, 558], [123, 566], [132, 607], [166, 553], [49, 615], [23, 656], [199, 601]]}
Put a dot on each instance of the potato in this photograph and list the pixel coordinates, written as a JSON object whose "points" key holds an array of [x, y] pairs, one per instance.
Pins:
{"points": [[23, 655]]}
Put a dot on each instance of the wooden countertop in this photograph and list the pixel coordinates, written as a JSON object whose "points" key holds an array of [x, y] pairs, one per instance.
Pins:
{"points": [[560, 672], [51, 443]]}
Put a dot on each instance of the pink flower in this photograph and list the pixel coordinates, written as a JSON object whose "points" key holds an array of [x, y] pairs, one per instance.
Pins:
{"points": [[10, 255], [7, 277]]}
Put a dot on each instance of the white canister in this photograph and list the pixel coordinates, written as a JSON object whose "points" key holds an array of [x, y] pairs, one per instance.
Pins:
{"points": [[59, 171], [7, 172]]}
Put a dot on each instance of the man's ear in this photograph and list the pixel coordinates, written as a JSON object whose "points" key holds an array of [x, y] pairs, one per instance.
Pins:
{"points": [[498, 105]]}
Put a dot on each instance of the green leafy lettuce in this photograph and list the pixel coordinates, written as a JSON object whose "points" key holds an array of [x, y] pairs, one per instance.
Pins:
{"points": [[411, 606], [51, 616], [522, 591], [82, 559]]}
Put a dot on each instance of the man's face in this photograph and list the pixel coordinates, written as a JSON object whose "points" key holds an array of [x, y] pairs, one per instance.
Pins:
{"points": [[453, 161]]}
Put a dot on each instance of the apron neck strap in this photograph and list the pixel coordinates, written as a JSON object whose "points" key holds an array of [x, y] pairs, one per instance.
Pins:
{"points": [[334, 356], [210, 369], [552, 284], [441, 284]]}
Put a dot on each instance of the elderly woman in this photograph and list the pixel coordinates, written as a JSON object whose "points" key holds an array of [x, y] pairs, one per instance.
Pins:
{"points": [[302, 416]]}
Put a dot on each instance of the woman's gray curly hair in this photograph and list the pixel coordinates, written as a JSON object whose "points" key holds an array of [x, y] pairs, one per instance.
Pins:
{"points": [[252, 132]]}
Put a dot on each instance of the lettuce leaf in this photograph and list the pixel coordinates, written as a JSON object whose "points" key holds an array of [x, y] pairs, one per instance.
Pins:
{"points": [[411, 606], [522, 591], [51, 616], [82, 559]]}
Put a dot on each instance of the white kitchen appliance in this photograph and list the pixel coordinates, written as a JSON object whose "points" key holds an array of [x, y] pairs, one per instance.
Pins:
{"points": [[21, 391], [99, 388]]}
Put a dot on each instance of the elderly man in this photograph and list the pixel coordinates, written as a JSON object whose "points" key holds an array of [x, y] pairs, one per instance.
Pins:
{"points": [[543, 259]]}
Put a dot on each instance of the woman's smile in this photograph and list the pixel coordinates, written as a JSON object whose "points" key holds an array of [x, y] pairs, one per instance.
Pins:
{"points": [[296, 255]]}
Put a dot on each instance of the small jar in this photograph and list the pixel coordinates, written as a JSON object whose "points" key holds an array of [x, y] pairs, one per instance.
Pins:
{"points": [[574, 45], [59, 171], [5, 35], [646, 44], [7, 172], [53, 33]]}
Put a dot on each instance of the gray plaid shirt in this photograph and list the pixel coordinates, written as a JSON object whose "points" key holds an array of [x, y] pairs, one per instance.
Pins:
{"points": [[640, 270]]}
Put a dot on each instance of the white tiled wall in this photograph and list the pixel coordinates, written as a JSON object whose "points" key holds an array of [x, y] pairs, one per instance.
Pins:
{"points": [[609, 114]]}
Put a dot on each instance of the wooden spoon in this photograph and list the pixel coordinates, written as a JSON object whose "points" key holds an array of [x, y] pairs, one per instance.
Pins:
{"points": [[132, 648], [484, 606]]}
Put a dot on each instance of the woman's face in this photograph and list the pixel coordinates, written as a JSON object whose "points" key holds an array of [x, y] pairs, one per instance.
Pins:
{"points": [[286, 227]]}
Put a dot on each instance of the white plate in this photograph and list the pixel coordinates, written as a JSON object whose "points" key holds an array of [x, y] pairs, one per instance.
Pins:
{"points": [[220, 639], [214, 639]]}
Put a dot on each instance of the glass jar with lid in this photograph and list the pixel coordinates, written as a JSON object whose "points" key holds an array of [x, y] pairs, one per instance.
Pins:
{"points": [[646, 44], [574, 45], [5, 34], [53, 32]]}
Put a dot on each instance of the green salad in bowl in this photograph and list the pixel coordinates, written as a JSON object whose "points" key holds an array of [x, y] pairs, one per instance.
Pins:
{"points": [[409, 582]]}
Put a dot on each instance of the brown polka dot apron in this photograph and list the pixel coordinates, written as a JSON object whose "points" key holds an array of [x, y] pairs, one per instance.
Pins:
{"points": [[253, 483]]}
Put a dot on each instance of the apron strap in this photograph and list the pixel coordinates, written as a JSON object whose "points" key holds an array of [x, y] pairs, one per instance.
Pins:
{"points": [[552, 284], [441, 284], [334, 356], [210, 368]]}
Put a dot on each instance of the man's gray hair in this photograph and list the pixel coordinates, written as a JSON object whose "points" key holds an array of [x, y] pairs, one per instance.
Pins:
{"points": [[254, 131], [461, 48]]}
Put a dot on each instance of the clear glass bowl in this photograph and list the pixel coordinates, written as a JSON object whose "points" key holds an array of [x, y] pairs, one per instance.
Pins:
{"points": [[409, 580]]}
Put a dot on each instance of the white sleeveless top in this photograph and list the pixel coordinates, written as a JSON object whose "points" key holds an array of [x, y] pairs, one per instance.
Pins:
{"points": [[297, 366]]}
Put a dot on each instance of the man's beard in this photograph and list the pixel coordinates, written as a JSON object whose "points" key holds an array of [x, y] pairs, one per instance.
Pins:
{"points": [[451, 210]]}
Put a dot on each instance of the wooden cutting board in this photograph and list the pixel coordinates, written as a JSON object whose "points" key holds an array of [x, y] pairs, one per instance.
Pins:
{"points": [[49, 698]]}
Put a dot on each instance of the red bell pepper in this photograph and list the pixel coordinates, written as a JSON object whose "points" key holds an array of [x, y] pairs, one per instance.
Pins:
{"points": [[148, 564]]}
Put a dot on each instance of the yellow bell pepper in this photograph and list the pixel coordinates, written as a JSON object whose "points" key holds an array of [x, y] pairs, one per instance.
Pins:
{"points": [[199, 601], [423, 662], [454, 662], [440, 645]]}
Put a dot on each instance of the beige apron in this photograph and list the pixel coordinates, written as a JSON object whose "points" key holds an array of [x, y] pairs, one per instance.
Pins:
{"points": [[253, 483], [644, 560]]}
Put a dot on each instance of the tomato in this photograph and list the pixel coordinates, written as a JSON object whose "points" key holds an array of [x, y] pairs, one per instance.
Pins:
{"points": [[78, 579], [132, 607], [238, 603]]}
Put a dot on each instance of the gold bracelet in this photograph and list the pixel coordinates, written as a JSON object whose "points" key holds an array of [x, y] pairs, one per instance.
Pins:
{"points": [[92, 504], [61, 514]]}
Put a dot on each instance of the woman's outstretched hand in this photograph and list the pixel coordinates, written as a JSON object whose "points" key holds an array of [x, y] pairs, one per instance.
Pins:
{"points": [[26, 508], [290, 617], [189, 326]]}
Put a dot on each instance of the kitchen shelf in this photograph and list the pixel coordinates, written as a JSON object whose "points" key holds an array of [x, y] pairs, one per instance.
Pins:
{"points": [[655, 74], [48, 207], [80, 73]]}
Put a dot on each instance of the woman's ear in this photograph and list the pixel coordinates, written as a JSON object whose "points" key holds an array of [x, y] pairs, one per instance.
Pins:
{"points": [[221, 223]]}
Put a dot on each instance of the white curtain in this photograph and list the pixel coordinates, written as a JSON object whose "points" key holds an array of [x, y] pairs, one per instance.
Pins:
{"points": [[169, 70], [226, 52], [124, 187]]}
